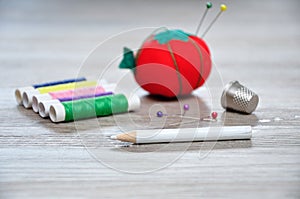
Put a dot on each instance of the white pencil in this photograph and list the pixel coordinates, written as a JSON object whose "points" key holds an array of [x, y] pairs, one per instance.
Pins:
{"points": [[186, 134]]}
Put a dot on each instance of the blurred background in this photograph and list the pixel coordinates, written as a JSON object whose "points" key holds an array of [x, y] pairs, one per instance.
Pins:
{"points": [[49, 40], [36, 35], [255, 42]]}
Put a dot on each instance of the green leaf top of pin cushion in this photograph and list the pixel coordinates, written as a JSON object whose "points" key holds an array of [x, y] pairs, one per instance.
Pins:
{"points": [[128, 60], [168, 35]]}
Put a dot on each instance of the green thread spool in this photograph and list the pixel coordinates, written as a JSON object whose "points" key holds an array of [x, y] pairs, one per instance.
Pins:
{"points": [[93, 107]]}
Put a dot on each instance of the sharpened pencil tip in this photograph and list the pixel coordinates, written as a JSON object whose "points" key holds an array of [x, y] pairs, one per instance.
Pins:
{"points": [[113, 137]]}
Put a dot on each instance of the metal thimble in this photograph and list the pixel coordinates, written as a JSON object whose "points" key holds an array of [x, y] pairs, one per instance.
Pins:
{"points": [[239, 98]]}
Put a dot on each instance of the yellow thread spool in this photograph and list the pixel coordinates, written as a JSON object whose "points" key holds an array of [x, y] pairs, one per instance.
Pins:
{"points": [[27, 96], [68, 86]]}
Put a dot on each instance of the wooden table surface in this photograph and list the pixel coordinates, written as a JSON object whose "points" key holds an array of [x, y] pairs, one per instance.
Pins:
{"points": [[255, 42]]}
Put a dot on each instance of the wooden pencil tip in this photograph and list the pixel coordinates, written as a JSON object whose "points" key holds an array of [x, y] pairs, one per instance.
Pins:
{"points": [[125, 137]]}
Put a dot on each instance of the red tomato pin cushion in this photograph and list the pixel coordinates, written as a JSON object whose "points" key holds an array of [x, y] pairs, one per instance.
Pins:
{"points": [[170, 63]]}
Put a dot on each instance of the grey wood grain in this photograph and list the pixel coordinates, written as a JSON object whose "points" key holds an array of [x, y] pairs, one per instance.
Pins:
{"points": [[255, 42]]}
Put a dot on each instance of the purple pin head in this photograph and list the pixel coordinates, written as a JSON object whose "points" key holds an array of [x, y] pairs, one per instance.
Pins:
{"points": [[159, 114], [186, 107]]}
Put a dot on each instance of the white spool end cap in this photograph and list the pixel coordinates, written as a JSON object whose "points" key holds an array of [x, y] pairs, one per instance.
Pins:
{"points": [[36, 99], [134, 102], [57, 112], [19, 93], [27, 98], [44, 107]]}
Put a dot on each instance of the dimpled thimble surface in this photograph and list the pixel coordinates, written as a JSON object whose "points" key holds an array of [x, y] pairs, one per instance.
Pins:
{"points": [[239, 98]]}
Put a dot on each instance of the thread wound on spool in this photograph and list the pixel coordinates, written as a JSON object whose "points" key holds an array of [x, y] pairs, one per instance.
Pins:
{"points": [[59, 82], [92, 107], [67, 86], [19, 91], [77, 97], [77, 92]]}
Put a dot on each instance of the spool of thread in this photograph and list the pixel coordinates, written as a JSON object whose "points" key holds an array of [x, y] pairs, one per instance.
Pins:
{"points": [[93, 107], [27, 95], [19, 91], [67, 95], [44, 106]]}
